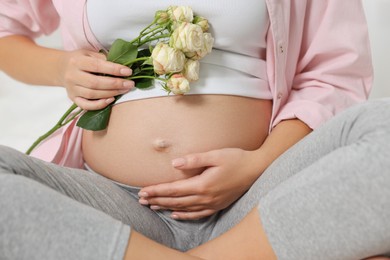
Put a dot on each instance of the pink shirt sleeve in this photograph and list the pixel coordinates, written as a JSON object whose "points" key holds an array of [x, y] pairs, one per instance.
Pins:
{"points": [[334, 69], [31, 18]]}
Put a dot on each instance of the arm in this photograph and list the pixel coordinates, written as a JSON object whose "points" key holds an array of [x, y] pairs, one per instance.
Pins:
{"points": [[282, 137], [212, 191], [24, 60], [21, 58]]}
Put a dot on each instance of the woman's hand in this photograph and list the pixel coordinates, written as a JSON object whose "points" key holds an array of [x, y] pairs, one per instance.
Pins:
{"points": [[228, 174], [89, 91]]}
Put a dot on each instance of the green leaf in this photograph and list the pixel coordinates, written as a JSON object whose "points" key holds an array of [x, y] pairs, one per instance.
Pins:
{"points": [[95, 120], [148, 62], [143, 83], [122, 52]]}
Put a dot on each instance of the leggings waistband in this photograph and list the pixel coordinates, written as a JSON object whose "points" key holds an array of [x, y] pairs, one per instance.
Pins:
{"points": [[131, 189]]}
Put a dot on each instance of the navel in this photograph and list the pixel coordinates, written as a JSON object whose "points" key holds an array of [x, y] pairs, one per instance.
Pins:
{"points": [[161, 145]]}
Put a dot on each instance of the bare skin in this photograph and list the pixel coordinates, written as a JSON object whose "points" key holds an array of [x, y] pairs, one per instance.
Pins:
{"points": [[213, 191], [143, 136]]}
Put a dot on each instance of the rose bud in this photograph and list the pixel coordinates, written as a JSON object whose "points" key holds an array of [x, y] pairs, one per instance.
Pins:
{"points": [[191, 70], [178, 84], [180, 14]]}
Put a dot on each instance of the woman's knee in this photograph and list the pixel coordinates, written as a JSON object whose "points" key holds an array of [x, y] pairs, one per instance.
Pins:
{"points": [[375, 113], [6, 158], [369, 121], [7, 152]]}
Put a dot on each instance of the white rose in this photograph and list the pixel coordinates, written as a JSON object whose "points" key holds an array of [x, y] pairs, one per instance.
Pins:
{"points": [[161, 17], [166, 59], [191, 70], [187, 37], [202, 22], [180, 14], [207, 46], [208, 42], [178, 84]]}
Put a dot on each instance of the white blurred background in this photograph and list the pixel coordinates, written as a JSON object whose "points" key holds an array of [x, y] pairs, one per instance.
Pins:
{"points": [[26, 112]]}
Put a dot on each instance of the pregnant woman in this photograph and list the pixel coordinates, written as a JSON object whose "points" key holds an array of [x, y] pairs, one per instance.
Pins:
{"points": [[183, 170]]}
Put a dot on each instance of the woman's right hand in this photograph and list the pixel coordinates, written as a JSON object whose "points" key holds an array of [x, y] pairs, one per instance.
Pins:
{"points": [[78, 74]]}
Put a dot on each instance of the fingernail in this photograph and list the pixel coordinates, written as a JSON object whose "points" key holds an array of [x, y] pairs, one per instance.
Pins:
{"points": [[128, 84], [109, 100], [142, 194], [125, 71], [178, 162], [154, 207], [143, 202], [174, 216]]}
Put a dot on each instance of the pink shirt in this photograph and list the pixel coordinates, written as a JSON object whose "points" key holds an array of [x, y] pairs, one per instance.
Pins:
{"points": [[318, 58]]}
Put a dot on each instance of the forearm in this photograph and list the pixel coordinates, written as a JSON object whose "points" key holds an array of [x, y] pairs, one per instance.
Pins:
{"points": [[282, 137], [91, 81], [27, 62]]}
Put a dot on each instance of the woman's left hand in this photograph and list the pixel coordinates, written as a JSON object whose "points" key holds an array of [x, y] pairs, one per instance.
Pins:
{"points": [[228, 174]]}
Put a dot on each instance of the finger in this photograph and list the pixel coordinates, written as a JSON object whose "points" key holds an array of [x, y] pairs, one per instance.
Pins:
{"points": [[179, 203], [192, 215], [92, 95], [93, 104], [193, 208], [101, 65], [196, 160], [92, 81], [179, 188], [98, 55]]}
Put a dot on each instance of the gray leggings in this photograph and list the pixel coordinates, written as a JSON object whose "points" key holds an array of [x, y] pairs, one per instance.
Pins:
{"points": [[328, 197]]}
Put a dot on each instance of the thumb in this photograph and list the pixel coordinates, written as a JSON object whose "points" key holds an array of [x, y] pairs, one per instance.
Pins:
{"points": [[193, 161]]}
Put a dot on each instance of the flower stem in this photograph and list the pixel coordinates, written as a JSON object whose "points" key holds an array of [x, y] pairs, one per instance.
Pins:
{"points": [[58, 125], [142, 33], [147, 68], [135, 60], [154, 38], [147, 77], [147, 27], [156, 30]]}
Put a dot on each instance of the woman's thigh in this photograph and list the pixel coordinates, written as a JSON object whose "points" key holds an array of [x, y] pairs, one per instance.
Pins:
{"points": [[342, 165], [339, 206], [90, 189], [37, 222]]}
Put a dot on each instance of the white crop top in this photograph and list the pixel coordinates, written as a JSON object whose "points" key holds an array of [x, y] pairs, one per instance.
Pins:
{"points": [[235, 66]]}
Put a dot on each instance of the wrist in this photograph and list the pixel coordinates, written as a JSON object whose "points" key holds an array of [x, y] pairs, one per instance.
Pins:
{"points": [[283, 136], [256, 163], [60, 59]]}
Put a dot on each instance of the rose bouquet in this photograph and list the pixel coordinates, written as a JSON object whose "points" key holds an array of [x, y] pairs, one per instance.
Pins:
{"points": [[167, 50]]}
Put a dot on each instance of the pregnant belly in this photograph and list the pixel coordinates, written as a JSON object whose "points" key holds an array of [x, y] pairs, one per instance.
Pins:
{"points": [[143, 136]]}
